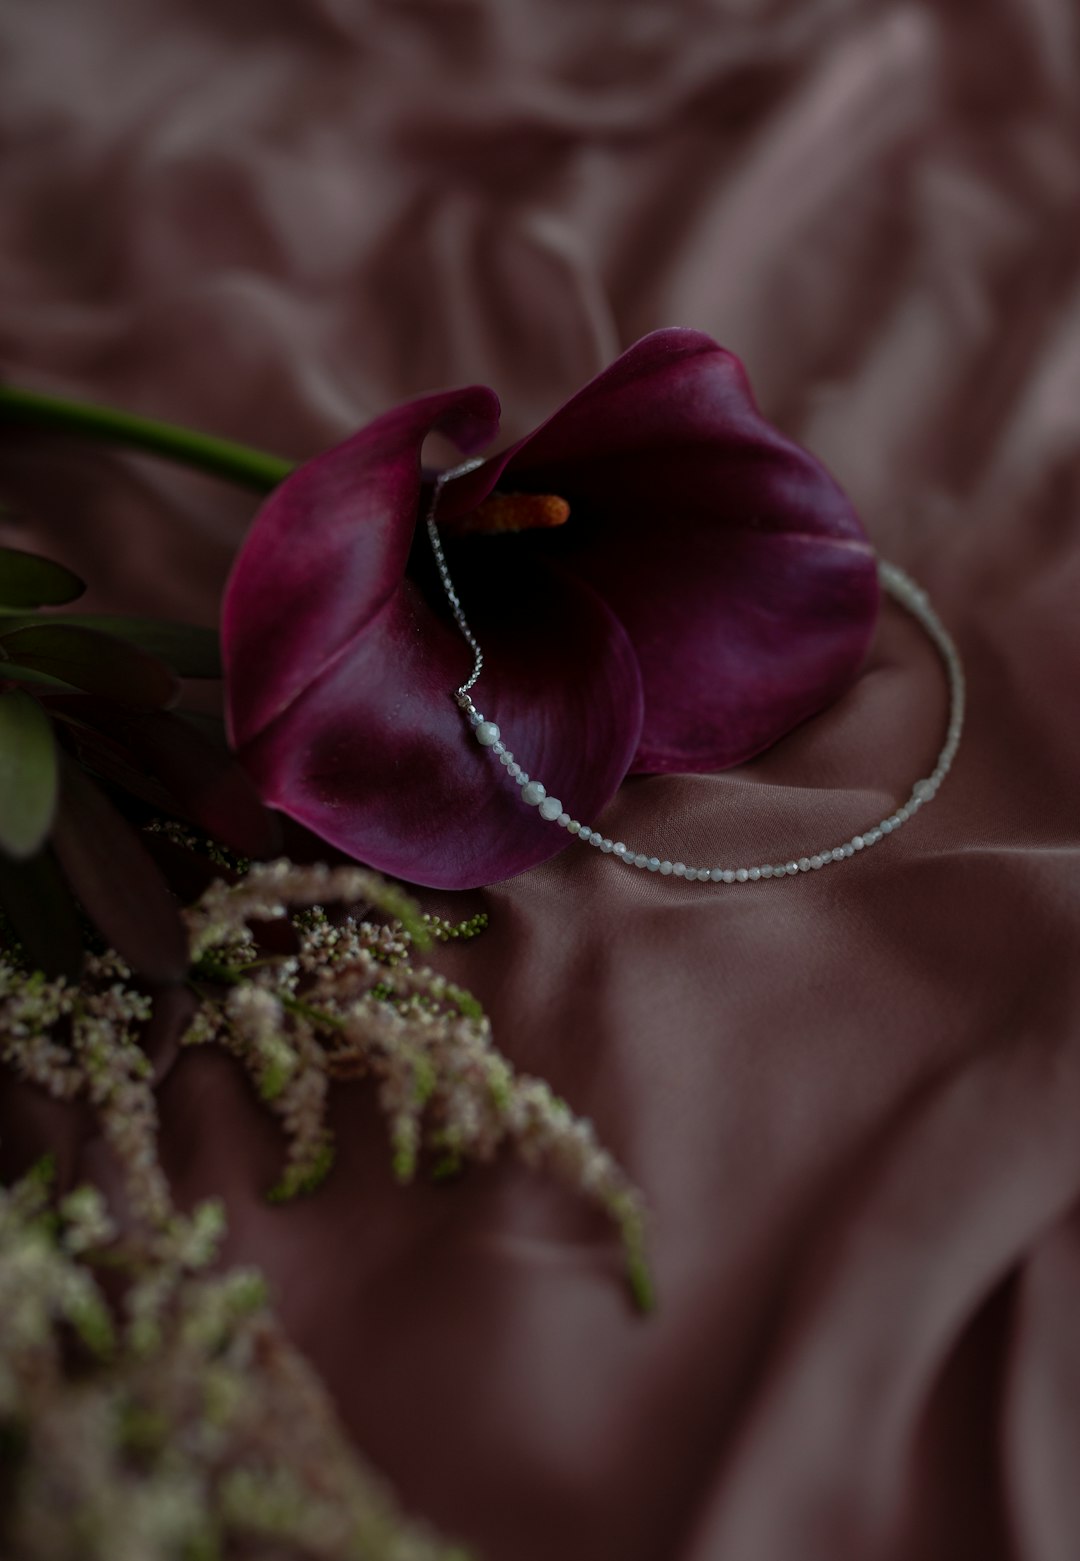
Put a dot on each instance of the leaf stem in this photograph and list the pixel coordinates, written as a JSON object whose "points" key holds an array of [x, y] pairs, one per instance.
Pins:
{"points": [[221, 457], [234, 975]]}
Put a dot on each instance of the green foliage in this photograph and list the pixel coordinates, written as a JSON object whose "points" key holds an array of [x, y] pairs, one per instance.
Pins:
{"points": [[29, 774], [27, 580], [93, 696]]}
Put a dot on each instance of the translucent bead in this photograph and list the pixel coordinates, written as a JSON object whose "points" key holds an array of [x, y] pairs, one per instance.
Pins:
{"points": [[533, 792], [550, 807], [487, 734]]}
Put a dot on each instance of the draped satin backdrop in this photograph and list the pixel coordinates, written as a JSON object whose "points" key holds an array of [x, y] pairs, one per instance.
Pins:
{"points": [[852, 1098]]}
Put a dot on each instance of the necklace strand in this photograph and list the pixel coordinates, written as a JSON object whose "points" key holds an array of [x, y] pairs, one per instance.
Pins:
{"points": [[894, 581]]}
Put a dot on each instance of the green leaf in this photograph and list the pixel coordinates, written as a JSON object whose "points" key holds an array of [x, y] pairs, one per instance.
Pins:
{"points": [[91, 660], [202, 781], [29, 774], [11, 672], [191, 651], [117, 882], [28, 580], [42, 914]]}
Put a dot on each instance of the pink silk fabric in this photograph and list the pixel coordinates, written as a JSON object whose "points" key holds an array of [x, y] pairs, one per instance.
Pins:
{"points": [[853, 1099]]}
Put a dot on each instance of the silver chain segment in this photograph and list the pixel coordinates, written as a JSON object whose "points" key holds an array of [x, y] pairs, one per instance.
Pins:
{"points": [[899, 586]]}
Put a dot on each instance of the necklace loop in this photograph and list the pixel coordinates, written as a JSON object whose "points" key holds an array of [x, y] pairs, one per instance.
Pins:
{"points": [[900, 586]]}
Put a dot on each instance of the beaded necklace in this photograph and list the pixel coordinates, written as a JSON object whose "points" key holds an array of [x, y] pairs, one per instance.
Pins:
{"points": [[533, 793]]}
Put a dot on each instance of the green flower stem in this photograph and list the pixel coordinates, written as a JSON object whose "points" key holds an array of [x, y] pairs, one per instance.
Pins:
{"points": [[221, 457], [235, 975]]}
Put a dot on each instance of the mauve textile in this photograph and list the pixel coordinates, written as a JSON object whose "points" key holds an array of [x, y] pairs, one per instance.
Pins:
{"points": [[853, 1099]]}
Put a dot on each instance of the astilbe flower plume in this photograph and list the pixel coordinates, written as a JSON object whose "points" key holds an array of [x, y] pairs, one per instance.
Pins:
{"points": [[350, 1002], [178, 1422]]}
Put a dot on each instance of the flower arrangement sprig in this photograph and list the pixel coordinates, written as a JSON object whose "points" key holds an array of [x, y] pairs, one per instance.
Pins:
{"points": [[349, 1002], [174, 1421]]}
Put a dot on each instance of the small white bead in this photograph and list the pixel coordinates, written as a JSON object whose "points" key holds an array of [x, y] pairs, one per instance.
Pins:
{"points": [[606, 846], [728, 875], [641, 861], [487, 733], [653, 864], [924, 789], [754, 874], [619, 848], [858, 842], [691, 875], [767, 872], [741, 875], [550, 807], [506, 757], [849, 849], [574, 827], [474, 717], [534, 792], [716, 874], [498, 749], [804, 864], [678, 869], [562, 820], [666, 869], [885, 826], [816, 862], [837, 853]]}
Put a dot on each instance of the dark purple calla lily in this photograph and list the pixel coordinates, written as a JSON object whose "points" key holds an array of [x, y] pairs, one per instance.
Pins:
{"points": [[711, 588]]}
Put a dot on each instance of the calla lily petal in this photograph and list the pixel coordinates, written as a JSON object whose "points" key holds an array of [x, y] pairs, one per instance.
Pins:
{"points": [[734, 561], [327, 551], [376, 758]]}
